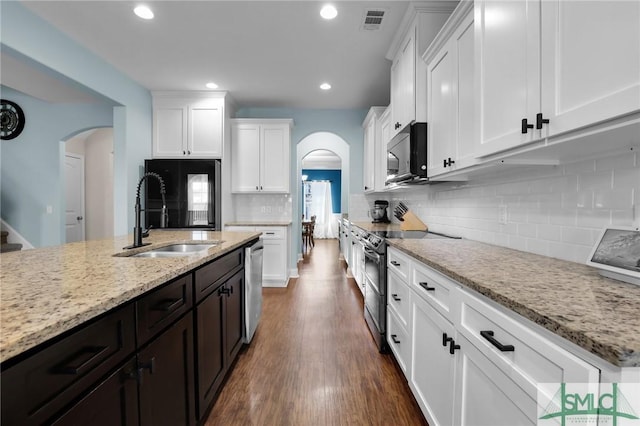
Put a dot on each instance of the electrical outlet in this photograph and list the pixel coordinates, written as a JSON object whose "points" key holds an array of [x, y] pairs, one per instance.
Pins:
{"points": [[503, 214], [49, 209]]}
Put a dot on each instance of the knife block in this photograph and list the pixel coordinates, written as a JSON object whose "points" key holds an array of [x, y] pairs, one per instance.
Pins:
{"points": [[412, 223]]}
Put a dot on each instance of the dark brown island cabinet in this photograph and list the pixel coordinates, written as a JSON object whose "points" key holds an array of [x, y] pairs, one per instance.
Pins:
{"points": [[160, 359]]}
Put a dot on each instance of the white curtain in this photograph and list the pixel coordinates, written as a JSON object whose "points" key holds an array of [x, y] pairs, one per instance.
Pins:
{"points": [[320, 204]]}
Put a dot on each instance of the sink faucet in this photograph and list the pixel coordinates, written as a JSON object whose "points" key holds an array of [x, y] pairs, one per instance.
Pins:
{"points": [[164, 216]]}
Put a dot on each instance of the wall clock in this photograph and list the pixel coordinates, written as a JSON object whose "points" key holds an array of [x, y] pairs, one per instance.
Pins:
{"points": [[11, 119]]}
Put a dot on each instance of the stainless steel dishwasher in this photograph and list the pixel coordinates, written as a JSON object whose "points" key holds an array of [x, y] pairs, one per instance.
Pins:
{"points": [[253, 288]]}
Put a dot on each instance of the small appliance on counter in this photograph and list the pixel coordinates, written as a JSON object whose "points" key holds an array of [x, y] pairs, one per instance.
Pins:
{"points": [[379, 212]]}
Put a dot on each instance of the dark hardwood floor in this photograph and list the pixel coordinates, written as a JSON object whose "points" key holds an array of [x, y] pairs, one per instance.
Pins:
{"points": [[313, 361]]}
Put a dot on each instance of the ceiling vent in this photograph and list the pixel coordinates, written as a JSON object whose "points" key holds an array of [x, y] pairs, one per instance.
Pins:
{"points": [[373, 19]]}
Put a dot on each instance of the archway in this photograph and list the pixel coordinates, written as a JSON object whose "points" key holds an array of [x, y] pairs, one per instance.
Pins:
{"points": [[312, 142]]}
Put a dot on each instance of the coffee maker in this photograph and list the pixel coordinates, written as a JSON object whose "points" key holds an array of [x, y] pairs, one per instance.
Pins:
{"points": [[379, 212]]}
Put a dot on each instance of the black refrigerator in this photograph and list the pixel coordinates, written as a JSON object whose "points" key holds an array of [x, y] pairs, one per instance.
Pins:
{"points": [[192, 193]]}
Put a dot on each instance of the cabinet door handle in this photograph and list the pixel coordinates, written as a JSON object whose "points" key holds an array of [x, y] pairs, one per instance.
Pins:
{"points": [[224, 290], [453, 347], [444, 163], [450, 162], [425, 285], [526, 126], [396, 298], [446, 339], [394, 337], [394, 263], [167, 305], [488, 335], [81, 360], [540, 121], [149, 365]]}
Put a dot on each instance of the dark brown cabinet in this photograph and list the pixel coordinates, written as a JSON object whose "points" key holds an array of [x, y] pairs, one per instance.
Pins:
{"points": [[113, 402], [219, 329], [165, 371], [35, 389]]}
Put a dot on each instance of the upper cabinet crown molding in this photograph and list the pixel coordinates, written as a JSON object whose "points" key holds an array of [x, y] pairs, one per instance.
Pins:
{"points": [[448, 29], [444, 7]]}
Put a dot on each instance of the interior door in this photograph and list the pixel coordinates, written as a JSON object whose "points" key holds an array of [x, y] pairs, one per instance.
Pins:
{"points": [[74, 190]]}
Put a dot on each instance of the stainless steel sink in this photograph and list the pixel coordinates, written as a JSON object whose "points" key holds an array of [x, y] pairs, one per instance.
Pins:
{"points": [[175, 250]]}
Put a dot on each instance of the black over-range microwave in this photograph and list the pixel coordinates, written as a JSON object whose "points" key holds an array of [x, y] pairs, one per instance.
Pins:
{"points": [[407, 157]]}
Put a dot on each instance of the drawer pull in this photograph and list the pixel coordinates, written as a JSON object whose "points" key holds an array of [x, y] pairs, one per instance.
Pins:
{"points": [[394, 337], [425, 285], [488, 334], [81, 360], [446, 339], [167, 305], [394, 263], [453, 347], [270, 233], [396, 298], [225, 290]]}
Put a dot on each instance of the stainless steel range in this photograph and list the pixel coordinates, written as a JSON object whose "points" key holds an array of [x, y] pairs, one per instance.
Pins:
{"points": [[375, 279]]}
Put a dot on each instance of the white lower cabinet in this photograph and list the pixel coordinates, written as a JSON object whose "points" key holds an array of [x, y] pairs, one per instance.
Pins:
{"points": [[433, 366], [275, 255], [485, 395], [472, 361]]}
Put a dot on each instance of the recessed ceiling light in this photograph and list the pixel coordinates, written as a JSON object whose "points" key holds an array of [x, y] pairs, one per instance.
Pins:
{"points": [[211, 85], [328, 11], [325, 86], [143, 12]]}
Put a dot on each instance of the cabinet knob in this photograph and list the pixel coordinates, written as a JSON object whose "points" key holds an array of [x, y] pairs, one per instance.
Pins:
{"points": [[257, 188], [540, 121], [79, 218], [188, 152], [526, 126], [184, 152], [450, 162]]}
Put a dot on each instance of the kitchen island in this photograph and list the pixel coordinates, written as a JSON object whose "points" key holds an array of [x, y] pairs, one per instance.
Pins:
{"points": [[47, 291], [90, 330]]}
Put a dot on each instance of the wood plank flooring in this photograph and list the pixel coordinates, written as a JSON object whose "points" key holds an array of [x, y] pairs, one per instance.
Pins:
{"points": [[313, 361]]}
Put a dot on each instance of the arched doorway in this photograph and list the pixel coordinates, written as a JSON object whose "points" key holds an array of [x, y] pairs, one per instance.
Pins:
{"points": [[313, 142], [322, 191]]}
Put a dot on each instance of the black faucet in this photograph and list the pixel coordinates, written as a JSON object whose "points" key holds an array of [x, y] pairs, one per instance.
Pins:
{"points": [[137, 230]]}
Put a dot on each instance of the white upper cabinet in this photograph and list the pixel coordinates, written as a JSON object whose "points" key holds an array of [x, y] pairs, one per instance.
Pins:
{"points": [[573, 63], [188, 124], [260, 155], [450, 95], [403, 93], [420, 25], [590, 62], [374, 172]]}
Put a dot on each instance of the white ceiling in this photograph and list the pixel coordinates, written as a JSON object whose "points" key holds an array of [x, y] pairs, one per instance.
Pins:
{"points": [[265, 53]]}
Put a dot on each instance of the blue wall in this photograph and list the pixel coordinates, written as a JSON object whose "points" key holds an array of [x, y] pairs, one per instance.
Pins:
{"points": [[335, 176], [31, 177], [26, 34]]}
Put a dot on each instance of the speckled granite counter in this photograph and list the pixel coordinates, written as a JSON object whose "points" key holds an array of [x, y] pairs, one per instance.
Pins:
{"points": [[45, 292], [572, 300]]}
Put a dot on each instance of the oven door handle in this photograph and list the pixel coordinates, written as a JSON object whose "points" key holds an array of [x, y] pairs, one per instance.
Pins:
{"points": [[370, 253]]}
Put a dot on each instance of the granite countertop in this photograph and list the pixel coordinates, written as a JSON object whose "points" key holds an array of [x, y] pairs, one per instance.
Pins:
{"points": [[569, 299], [259, 223], [47, 291]]}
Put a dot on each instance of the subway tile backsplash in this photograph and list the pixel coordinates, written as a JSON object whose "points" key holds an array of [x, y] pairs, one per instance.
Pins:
{"points": [[556, 211], [263, 207]]}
